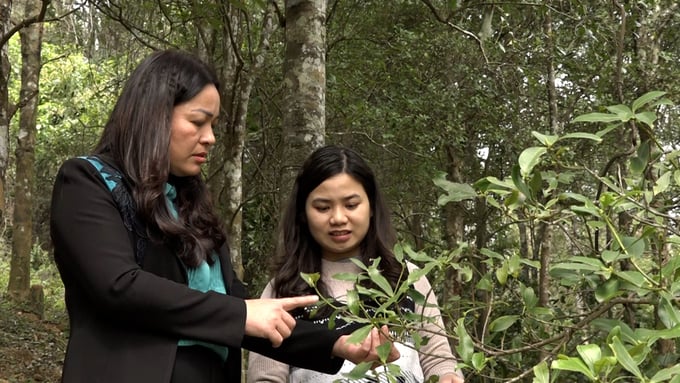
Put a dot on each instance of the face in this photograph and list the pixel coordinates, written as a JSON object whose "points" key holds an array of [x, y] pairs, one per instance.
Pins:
{"points": [[338, 214], [191, 135]]}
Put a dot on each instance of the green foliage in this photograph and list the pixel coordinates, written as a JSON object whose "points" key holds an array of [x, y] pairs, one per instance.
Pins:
{"points": [[637, 269], [70, 116], [583, 331]]}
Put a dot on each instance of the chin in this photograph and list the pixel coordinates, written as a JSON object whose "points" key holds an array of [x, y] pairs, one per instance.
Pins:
{"points": [[186, 173]]}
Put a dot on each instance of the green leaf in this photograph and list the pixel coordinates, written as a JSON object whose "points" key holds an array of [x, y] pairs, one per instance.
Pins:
{"points": [[384, 351], [601, 133], [359, 264], [519, 183], [310, 279], [622, 111], [536, 183], [457, 192], [637, 165], [590, 353], [546, 140], [478, 361], [596, 117], [491, 254], [398, 252], [541, 373], [359, 334], [610, 256], [646, 99], [633, 277], [669, 270], [607, 290], [647, 118], [617, 326], [668, 314], [514, 265], [529, 296], [576, 266], [572, 364], [530, 157], [586, 210], [349, 277], [643, 151], [484, 284], [662, 183], [503, 323], [502, 273], [651, 335], [633, 246], [465, 347], [588, 136], [377, 278], [624, 358], [578, 197], [493, 183], [666, 374], [353, 302], [360, 371]]}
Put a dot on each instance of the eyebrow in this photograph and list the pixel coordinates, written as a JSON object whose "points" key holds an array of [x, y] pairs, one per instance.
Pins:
{"points": [[349, 197], [204, 111]]}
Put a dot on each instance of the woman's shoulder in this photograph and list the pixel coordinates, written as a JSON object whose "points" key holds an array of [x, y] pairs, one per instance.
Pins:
{"points": [[81, 174], [75, 167]]}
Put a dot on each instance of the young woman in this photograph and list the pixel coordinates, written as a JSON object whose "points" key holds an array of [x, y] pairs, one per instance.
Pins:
{"points": [[150, 290], [336, 213]]}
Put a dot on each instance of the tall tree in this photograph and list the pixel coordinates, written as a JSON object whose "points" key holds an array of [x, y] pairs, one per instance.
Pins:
{"points": [[239, 56], [5, 26], [22, 238], [304, 118]]}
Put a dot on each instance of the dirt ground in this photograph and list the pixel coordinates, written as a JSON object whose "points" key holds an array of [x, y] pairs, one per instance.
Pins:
{"points": [[31, 349]]}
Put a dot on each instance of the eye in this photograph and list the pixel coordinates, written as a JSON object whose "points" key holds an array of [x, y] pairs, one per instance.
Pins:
{"points": [[321, 209], [351, 206]]}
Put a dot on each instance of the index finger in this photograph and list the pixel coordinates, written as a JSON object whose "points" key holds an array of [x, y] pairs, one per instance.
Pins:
{"points": [[295, 302]]}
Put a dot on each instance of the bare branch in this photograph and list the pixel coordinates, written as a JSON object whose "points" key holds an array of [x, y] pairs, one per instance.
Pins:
{"points": [[40, 17]]}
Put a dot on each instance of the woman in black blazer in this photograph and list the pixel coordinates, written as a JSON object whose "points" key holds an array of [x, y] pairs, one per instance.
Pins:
{"points": [[150, 290]]}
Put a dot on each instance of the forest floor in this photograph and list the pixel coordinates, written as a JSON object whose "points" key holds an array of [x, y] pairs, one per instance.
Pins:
{"points": [[31, 349]]}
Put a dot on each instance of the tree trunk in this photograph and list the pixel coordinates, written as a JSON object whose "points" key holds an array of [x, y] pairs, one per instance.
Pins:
{"points": [[5, 12], [226, 182], [22, 238], [544, 236], [304, 119], [455, 228]]}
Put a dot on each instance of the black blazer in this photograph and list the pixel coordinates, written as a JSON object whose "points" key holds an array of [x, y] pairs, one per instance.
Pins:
{"points": [[125, 321]]}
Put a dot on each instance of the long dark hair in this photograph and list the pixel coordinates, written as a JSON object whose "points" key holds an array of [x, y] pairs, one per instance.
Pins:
{"points": [[137, 137], [297, 250]]}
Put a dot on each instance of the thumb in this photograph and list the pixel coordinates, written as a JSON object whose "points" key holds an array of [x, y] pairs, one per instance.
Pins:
{"points": [[295, 302]]}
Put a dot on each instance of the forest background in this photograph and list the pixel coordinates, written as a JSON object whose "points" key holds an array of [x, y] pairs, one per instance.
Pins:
{"points": [[529, 151]]}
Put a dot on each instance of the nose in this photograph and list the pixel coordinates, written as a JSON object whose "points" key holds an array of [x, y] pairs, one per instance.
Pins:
{"points": [[207, 136], [338, 216]]}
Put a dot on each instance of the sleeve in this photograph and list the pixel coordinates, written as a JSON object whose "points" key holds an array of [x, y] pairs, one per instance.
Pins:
{"points": [[436, 357], [93, 251], [262, 369], [310, 346]]}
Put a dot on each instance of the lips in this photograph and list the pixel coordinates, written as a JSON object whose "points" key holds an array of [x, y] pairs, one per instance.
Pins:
{"points": [[340, 236]]}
